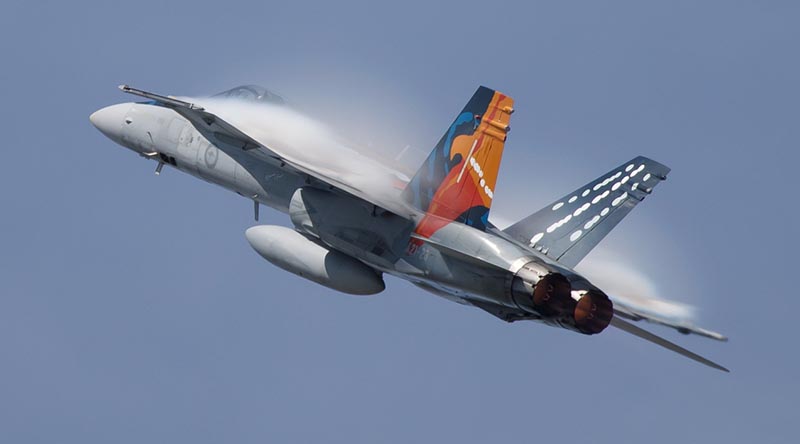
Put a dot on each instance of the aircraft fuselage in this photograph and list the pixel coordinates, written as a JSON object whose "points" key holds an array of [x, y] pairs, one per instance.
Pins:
{"points": [[456, 268], [355, 219]]}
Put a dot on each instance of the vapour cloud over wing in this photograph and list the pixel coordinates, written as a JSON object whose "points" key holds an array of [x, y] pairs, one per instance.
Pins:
{"points": [[625, 284], [310, 143]]}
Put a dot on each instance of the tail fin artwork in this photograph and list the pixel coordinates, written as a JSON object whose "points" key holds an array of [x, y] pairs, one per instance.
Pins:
{"points": [[456, 182], [569, 228]]}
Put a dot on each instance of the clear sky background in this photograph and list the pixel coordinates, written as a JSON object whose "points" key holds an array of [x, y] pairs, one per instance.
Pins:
{"points": [[132, 309]]}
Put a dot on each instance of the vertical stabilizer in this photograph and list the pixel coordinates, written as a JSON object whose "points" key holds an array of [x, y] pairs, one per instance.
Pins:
{"points": [[569, 228], [456, 182]]}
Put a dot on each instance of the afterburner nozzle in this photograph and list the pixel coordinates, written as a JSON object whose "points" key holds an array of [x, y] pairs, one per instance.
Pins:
{"points": [[552, 295], [593, 312]]}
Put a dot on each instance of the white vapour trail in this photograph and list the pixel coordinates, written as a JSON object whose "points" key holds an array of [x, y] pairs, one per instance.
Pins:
{"points": [[310, 142], [623, 282]]}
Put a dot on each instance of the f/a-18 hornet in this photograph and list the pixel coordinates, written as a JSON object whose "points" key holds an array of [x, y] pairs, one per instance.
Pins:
{"points": [[355, 219]]}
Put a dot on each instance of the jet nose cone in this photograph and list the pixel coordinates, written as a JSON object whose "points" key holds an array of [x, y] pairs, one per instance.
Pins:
{"points": [[109, 120]]}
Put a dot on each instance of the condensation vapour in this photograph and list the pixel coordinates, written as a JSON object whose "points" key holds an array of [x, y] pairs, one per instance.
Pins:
{"points": [[385, 169]]}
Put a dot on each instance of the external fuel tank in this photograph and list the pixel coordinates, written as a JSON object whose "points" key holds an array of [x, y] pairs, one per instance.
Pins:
{"points": [[295, 253]]}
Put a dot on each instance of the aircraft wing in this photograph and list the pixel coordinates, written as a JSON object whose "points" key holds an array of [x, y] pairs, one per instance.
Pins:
{"points": [[650, 337], [226, 132], [683, 326], [199, 116]]}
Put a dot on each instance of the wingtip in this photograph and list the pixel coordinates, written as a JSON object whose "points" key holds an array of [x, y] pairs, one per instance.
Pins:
{"points": [[717, 366], [690, 328]]}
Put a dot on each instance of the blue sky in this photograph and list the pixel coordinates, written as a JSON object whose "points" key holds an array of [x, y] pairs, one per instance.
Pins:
{"points": [[133, 310]]}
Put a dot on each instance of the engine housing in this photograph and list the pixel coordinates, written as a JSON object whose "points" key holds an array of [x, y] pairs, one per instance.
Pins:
{"points": [[548, 293]]}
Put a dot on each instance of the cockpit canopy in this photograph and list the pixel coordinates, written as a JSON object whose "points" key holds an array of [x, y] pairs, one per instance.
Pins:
{"points": [[253, 93]]}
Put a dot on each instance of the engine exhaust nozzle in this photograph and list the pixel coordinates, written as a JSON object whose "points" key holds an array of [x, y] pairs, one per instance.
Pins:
{"points": [[552, 295], [593, 312]]}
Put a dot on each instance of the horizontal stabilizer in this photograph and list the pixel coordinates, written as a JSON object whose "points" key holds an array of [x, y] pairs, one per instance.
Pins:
{"points": [[647, 336]]}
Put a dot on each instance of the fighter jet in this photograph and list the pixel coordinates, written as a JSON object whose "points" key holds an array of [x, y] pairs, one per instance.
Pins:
{"points": [[355, 220]]}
